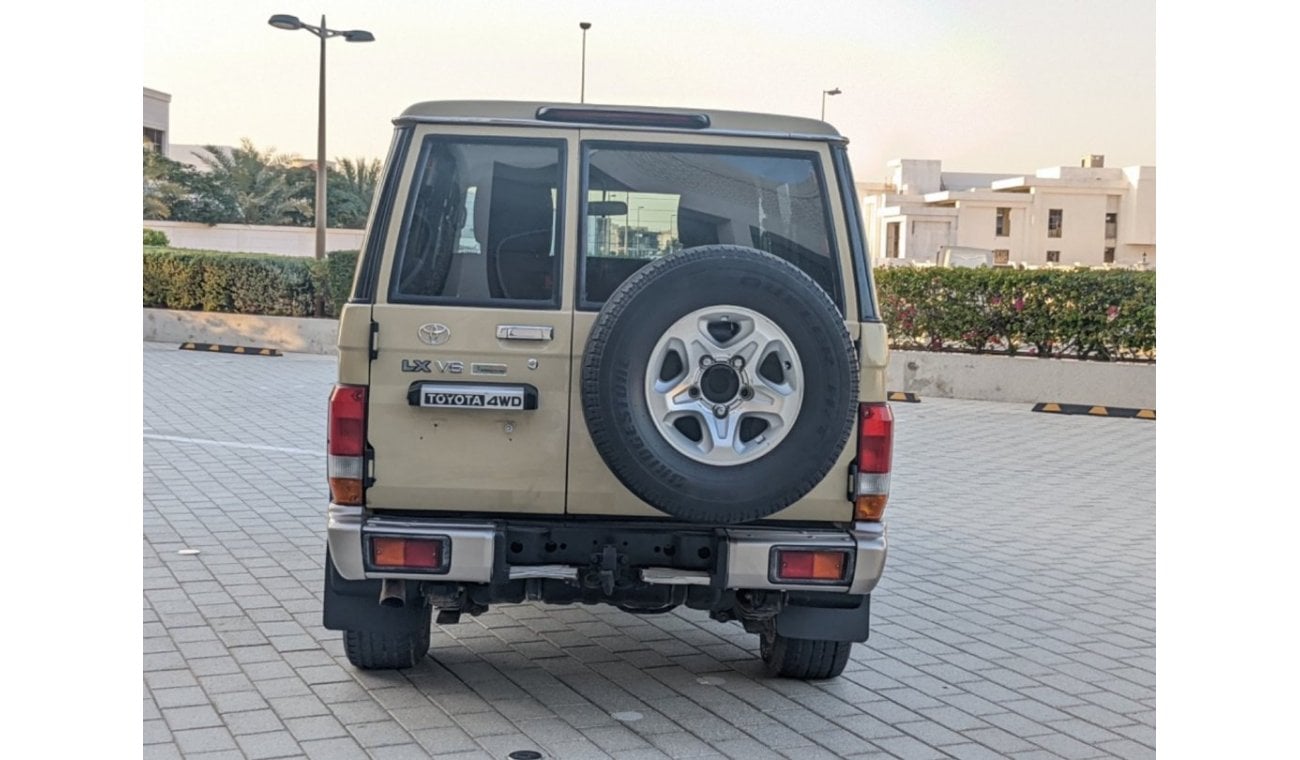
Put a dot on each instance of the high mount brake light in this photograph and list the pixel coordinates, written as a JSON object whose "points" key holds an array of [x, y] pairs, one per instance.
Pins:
{"points": [[623, 118]]}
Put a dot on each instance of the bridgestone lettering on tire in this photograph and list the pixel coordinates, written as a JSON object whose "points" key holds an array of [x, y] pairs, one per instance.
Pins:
{"points": [[719, 384]]}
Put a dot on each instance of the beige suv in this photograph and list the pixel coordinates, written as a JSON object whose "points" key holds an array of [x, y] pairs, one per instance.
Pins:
{"points": [[610, 355]]}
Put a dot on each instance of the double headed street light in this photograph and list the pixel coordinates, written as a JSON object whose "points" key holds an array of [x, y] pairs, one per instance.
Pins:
{"points": [[835, 91], [291, 23]]}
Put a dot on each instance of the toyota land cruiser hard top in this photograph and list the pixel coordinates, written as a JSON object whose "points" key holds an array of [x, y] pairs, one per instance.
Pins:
{"points": [[610, 355]]}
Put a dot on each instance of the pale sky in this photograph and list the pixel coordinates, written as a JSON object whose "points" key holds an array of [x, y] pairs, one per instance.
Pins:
{"points": [[994, 85]]}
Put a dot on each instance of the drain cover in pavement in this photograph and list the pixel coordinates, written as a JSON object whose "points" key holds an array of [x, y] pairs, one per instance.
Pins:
{"points": [[525, 754]]}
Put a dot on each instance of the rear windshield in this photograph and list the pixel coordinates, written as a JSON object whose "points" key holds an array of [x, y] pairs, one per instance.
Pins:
{"points": [[644, 202], [482, 224]]}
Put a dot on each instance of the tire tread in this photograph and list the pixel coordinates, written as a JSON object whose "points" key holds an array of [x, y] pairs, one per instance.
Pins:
{"points": [[387, 650], [808, 658]]}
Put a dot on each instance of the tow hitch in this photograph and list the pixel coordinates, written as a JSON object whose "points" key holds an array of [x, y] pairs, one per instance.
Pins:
{"points": [[608, 570]]}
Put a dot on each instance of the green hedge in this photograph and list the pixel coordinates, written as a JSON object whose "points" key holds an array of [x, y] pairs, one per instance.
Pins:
{"points": [[244, 283], [340, 268], [1085, 314]]}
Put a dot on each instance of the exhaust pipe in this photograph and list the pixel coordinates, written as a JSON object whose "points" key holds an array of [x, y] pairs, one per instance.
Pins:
{"points": [[392, 593]]}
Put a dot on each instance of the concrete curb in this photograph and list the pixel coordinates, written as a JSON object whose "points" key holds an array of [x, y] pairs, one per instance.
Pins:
{"points": [[1026, 380], [294, 334]]}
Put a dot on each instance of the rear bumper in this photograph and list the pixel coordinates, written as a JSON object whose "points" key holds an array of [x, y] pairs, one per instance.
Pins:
{"points": [[478, 553]]}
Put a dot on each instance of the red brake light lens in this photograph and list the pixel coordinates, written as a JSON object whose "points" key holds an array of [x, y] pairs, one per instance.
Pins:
{"points": [[347, 415], [875, 438]]}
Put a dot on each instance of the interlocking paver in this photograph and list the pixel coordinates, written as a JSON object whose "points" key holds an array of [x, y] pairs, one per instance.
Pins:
{"points": [[1015, 618], [269, 745]]}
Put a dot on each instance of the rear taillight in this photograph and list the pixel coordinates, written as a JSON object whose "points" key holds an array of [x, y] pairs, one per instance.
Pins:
{"points": [[810, 565], [346, 444], [396, 553], [875, 455]]}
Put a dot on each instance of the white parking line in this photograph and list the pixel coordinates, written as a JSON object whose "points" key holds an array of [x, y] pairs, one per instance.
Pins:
{"points": [[233, 444]]}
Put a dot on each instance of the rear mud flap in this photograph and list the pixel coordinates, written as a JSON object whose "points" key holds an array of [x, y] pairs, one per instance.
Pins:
{"points": [[826, 623], [354, 605]]}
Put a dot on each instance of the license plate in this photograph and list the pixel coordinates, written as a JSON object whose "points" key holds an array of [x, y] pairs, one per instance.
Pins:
{"points": [[456, 396]]}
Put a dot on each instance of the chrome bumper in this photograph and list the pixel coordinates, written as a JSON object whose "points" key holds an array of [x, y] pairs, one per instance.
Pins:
{"points": [[473, 553]]}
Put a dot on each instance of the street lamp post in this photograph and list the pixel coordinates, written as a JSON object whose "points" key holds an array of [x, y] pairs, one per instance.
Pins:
{"points": [[835, 91], [582, 92], [291, 23], [638, 226]]}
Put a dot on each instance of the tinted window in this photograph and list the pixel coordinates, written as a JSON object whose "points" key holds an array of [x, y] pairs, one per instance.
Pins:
{"points": [[643, 203], [482, 224]]}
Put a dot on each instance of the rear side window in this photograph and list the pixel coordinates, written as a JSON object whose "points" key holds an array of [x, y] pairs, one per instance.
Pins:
{"points": [[644, 202], [481, 225]]}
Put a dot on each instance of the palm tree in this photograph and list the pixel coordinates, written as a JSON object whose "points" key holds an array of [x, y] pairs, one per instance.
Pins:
{"points": [[252, 184], [160, 189], [356, 182]]}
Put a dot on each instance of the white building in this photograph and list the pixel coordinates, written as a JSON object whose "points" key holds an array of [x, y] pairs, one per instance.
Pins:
{"points": [[1089, 215], [157, 110]]}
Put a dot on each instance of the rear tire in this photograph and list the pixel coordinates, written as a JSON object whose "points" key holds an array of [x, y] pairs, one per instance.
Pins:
{"points": [[392, 649], [808, 659]]}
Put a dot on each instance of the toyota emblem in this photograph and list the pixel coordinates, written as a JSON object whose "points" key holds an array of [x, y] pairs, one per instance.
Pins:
{"points": [[434, 334]]}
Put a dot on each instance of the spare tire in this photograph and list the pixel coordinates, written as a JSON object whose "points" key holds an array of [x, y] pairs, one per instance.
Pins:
{"points": [[719, 384]]}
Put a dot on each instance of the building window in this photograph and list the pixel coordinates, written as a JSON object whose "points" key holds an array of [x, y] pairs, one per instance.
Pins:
{"points": [[1001, 257], [153, 137], [1109, 256], [1054, 222], [1053, 257], [1004, 222], [1112, 223], [891, 240]]}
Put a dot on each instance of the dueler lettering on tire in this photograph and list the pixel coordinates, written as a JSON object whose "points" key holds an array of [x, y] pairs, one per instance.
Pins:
{"points": [[719, 384]]}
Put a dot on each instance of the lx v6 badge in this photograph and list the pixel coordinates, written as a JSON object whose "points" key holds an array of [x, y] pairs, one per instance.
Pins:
{"points": [[416, 365]]}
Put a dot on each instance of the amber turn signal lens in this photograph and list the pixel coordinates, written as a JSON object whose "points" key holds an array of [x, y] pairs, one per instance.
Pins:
{"points": [[870, 506], [389, 552], [346, 491], [828, 566]]}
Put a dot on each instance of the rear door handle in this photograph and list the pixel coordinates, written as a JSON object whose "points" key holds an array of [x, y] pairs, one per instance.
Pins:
{"points": [[525, 332]]}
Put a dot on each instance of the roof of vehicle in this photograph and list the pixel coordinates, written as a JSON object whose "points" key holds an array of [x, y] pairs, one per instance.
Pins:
{"points": [[525, 112]]}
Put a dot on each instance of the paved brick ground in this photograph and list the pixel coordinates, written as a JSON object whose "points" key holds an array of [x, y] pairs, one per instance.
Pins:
{"points": [[1016, 617]]}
